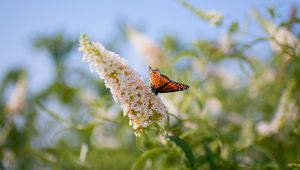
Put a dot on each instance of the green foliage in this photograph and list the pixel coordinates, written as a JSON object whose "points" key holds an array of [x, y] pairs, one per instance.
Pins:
{"points": [[57, 45], [294, 165], [234, 27], [241, 111], [142, 160], [186, 149]]}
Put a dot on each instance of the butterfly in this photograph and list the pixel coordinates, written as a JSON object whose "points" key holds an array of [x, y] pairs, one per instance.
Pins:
{"points": [[160, 83]]}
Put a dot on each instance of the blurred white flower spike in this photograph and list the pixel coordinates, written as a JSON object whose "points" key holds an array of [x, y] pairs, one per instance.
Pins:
{"points": [[213, 17], [127, 87], [286, 113], [17, 100], [281, 39], [148, 49]]}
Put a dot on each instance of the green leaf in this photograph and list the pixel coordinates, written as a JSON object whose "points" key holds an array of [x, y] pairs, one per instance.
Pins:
{"points": [[234, 27], [271, 11], [141, 161], [185, 54], [186, 149], [294, 165], [210, 157]]}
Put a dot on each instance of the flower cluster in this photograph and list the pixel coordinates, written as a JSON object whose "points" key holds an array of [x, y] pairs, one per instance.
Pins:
{"points": [[281, 39], [213, 17], [286, 112], [139, 104], [17, 100]]}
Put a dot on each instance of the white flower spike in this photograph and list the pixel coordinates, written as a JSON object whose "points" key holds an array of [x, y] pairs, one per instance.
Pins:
{"points": [[127, 87]]}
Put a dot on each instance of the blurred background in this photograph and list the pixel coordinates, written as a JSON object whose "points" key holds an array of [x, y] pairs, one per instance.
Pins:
{"points": [[241, 59]]}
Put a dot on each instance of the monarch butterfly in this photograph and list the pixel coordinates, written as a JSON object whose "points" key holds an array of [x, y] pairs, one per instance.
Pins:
{"points": [[160, 83]]}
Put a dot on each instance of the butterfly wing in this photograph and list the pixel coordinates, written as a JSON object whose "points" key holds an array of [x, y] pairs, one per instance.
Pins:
{"points": [[170, 85], [162, 84], [154, 78]]}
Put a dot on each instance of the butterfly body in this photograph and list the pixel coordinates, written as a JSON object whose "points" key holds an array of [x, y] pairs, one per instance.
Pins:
{"points": [[160, 83]]}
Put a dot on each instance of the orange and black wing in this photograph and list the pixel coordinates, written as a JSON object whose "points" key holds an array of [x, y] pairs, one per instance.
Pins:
{"points": [[154, 79], [160, 83], [170, 85]]}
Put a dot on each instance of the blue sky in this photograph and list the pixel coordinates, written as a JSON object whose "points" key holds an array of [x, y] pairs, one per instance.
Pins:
{"points": [[21, 20]]}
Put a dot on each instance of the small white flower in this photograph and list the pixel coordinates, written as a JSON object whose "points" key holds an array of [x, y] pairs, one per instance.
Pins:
{"points": [[264, 128], [83, 152], [225, 42], [142, 107], [213, 106], [213, 17], [17, 99]]}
